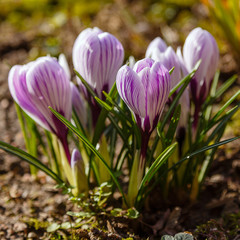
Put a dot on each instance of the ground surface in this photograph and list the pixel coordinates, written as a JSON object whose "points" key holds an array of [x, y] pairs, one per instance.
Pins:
{"points": [[23, 199]]}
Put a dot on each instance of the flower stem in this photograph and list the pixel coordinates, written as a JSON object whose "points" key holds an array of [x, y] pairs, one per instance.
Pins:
{"points": [[144, 146], [66, 148]]}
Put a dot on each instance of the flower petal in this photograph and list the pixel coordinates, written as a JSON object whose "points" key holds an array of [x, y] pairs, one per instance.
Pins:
{"points": [[131, 90]]}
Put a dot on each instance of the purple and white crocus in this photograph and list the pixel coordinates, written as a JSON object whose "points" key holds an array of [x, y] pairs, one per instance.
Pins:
{"points": [[38, 85], [97, 56], [169, 59], [200, 44], [145, 90]]}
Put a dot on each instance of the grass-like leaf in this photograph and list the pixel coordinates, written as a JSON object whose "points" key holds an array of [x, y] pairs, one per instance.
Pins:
{"points": [[215, 145], [185, 79], [161, 159], [31, 160]]}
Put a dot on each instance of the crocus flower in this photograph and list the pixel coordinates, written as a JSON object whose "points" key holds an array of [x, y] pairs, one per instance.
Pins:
{"points": [[156, 44], [200, 44], [145, 90], [169, 59], [38, 85], [97, 56]]}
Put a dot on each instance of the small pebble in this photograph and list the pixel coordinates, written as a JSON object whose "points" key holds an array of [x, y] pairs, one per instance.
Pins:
{"points": [[32, 235], [19, 226]]}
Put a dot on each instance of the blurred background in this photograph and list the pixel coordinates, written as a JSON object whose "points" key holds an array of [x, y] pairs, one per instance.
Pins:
{"points": [[36, 28]]}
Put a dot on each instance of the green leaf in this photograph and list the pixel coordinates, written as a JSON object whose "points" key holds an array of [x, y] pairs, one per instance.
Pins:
{"points": [[222, 124], [66, 225], [184, 83], [178, 236], [85, 83], [31, 160], [132, 213], [185, 79], [221, 90], [173, 126], [90, 146], [221, 110], [167, 237], [171, 70], [103, 104], [53, 227], [188, 156], [161, 159], [81, 214], [183, 236]]}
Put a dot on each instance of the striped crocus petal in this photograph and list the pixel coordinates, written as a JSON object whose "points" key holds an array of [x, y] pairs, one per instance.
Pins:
{"points": [[41, 84], [49, 85], [18, 89], [145, 90], [97, 56], [79, 105], [169, 59], [200, 44], [158, 45]]}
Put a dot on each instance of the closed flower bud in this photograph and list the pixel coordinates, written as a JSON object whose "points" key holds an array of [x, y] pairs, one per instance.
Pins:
{"points": [[200, 44], [78, 171], [156, 44], [38, 85], [97, 56], [145, 90], [169, 59]]}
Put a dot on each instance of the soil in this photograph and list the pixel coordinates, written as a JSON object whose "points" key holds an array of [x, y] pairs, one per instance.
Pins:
{"points": [[24, 199]]}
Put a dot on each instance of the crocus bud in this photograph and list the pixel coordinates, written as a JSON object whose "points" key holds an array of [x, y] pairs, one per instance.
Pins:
{"points": [[78, 172], [63, 62], [200, 44], [38, 85], [97, 56], [156, 44], [169, 59], [79, 105], [145, 90]]}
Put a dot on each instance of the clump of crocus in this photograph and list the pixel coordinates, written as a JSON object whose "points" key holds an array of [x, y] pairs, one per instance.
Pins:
{"points": [[97, 56], [38, 85]]}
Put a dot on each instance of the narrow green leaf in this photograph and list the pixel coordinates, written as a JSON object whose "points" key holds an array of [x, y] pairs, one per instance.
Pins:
{"points": [[85, 83], [173, 126], [171, 70], [202, 150], [161, 159], [174, 104], [90, 146], [185, 79], [221, 124], [103, 104], [221, 110], [225, 86], [31, 160]]}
